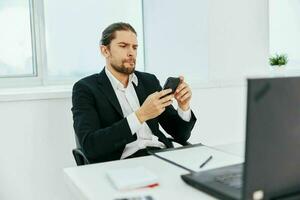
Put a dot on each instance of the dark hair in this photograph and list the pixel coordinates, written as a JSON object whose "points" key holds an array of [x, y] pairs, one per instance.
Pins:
{"points": [[109, 33]]}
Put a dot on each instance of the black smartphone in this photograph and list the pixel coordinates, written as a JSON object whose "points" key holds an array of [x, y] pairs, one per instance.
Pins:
{"points": [[172, 82]]}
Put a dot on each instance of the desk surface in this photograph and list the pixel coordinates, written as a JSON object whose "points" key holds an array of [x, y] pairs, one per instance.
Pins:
{"points": [[91, 182]]}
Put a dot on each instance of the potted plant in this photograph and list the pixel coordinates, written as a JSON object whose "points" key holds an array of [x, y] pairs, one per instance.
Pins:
{"points": [[278, 60]]}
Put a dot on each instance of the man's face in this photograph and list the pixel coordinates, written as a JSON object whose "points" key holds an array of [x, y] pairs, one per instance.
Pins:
{"points": [[122, 52]]}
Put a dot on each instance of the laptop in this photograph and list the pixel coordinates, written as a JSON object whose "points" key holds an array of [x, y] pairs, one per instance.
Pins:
{"points": [[272, 157]]}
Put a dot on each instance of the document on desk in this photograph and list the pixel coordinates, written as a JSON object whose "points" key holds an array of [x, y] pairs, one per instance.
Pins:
{"points": [[132, 178], [193, 157]]}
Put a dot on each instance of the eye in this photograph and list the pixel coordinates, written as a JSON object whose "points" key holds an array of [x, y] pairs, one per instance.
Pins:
{"points": [[122, 46]]}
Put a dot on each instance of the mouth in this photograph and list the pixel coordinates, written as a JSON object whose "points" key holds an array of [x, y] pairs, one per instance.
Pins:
{"points": [[131, 62]]}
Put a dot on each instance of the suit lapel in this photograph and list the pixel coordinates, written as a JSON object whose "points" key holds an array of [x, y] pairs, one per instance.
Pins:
{"points": [[140, 91], [107, 89]]}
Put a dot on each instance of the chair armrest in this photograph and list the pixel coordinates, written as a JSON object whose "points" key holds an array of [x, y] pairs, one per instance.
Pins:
{"points": [[80, 158]]}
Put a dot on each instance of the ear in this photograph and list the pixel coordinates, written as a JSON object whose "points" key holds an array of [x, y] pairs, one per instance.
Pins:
{"points": [[104, 51]]}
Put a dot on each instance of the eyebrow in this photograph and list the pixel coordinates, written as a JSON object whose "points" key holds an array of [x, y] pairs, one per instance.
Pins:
{"points": [[126, 43]]}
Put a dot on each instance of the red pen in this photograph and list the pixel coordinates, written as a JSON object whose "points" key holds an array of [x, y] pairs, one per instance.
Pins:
{"points": [[150, 186]]}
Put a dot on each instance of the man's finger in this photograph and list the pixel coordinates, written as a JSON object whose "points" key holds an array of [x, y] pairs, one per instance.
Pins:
{"points": [[182, 92], [164, 92], [180, 87], [185, 96], [181, 79], [167, 103], [166, 98]]}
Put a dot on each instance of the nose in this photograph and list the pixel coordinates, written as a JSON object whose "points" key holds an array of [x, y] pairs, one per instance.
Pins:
{"points": [[131, 52]]}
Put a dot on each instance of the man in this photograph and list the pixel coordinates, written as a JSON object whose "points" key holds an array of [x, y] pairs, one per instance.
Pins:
{"points": [[117, 112]]}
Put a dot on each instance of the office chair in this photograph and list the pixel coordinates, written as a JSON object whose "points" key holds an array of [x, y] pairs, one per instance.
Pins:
{"points": [[78, 154], [81, 159]]}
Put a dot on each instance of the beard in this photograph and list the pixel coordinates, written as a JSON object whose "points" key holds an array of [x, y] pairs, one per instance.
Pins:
{"points": [[122, 68]]}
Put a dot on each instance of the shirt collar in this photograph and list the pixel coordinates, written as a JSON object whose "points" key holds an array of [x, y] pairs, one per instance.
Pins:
{"points": [[116, 84]]}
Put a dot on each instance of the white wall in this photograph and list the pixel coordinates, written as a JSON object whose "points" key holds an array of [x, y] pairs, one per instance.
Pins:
{"points": [[239, 39], [221, 115], [176, 38], [285, 30], [224, 47], [237, 48], [37, 136], [36, 142]]}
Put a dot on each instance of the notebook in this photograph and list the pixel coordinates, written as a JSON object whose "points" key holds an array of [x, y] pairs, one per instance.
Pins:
{"points": [[132, 178]]}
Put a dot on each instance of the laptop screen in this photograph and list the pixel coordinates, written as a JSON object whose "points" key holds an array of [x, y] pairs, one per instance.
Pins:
{"points": [[272, 160]]}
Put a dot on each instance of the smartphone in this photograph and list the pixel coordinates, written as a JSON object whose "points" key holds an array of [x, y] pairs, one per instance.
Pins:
{"points": [[172, 82]]}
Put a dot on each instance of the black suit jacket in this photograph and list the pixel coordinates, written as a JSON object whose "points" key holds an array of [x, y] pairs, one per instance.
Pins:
{"points": [[101, 129]]}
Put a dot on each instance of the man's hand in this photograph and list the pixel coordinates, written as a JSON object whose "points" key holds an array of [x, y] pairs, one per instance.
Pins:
{"points": [[183, 94], [154, 105]]}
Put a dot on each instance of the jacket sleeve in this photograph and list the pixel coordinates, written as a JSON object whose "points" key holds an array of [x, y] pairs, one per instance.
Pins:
{"points": [[95, 139], [173, 124]]}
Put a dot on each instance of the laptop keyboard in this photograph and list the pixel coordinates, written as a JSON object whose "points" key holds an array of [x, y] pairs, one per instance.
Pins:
{"points": [[232, 180]]}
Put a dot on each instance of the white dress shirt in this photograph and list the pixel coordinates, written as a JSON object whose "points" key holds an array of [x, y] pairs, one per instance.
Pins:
{"points": [[129, 104]]}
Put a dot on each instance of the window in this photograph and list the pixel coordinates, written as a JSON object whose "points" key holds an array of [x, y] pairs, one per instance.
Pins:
{"points": [[73, 30], [16, 49], [285, 30], [57, 42]]}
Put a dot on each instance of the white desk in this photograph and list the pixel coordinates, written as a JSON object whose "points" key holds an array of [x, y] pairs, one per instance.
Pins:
{"points": [[90, 182]]}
